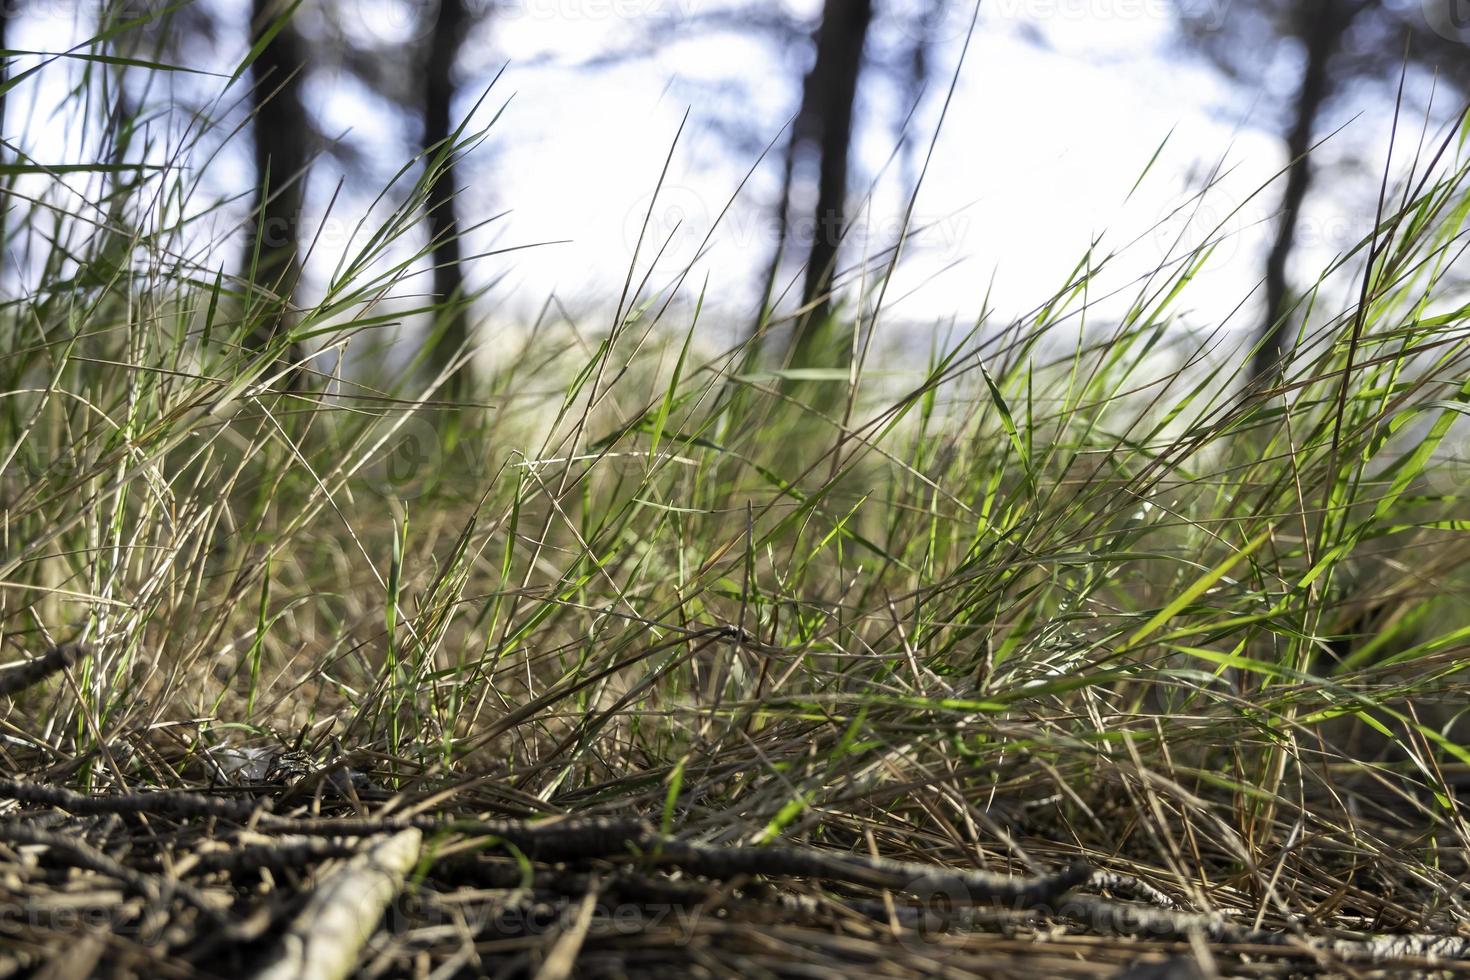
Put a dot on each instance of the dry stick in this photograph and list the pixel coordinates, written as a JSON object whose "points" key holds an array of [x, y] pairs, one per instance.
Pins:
{"points": [[325, 940], [1106, 917], [907, 876], [924, 916], [1113, 917], [549, 840], [634, 840], [162, 803], [15, 678], [277, 856], [627, 885], [1132, 887]]}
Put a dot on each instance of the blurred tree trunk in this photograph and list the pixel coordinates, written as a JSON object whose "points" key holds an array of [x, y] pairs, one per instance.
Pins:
{"points": [[439, 128], [283, 134], [1322, 26], [13, 10], [826, 120]]}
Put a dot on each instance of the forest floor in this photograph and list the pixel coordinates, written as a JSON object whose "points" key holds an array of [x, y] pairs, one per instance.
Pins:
{"points": [[284, 865]]}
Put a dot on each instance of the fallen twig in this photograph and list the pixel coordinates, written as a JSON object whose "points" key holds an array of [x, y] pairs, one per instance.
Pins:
{"points": [[557, 839], [326, 938], [1131, 887], [15, 678], [161, 802], [634, 840], [905, 876], [275, 856], [1105, 916]]}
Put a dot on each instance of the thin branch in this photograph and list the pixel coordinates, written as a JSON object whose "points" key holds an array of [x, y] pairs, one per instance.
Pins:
{"points": [[15, 678]]}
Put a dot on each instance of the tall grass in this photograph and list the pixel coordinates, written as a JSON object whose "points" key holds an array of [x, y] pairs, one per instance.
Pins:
{"points": [[1058, 590]]}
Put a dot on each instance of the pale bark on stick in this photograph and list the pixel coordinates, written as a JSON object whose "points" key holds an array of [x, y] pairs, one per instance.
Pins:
{"points": [[327, 937], [1116, 918]]}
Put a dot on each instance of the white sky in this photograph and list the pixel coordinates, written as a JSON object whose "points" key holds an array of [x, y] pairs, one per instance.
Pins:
{"points": [[1041, 146], [1059, 108]]}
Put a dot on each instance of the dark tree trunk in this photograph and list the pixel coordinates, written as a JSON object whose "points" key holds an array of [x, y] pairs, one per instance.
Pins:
{"points": [[1322, 25], [282, 155], [439, 127], [12, 10], [830, 93]]}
